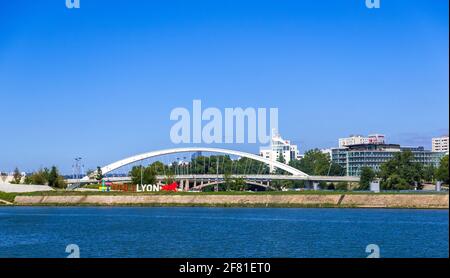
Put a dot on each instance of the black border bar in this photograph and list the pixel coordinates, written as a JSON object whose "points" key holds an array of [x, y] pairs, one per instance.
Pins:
{"points": [[316, 267]]}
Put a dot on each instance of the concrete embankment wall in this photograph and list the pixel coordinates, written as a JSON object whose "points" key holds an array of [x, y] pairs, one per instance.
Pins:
{"points": [[294, 200], [397, 200]]}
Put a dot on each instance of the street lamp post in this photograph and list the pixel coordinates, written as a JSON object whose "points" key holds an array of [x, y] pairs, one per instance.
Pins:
{"points": [[141, 176], [217, 173], [77, 170]]}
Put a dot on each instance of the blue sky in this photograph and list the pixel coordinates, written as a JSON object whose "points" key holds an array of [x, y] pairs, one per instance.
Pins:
{"points": [[100, 81]]}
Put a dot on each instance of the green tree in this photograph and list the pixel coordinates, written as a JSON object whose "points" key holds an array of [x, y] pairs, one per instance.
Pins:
{"points": [[396, 182], [137, 174], [281, 158], [54, 179], [144, 175], [39, 178], [317, 163], [400, 172], [17, 176], [28, 180], [341, 186], [239, 184], [159, 168], [429, 173], [228, 181], [442, 171], [53, 176], [367, 176], [99, 174], [336, 170], [150, 175]]}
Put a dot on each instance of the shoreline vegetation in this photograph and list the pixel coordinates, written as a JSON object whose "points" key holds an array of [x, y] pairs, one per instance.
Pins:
{"points": [[402, 179], [300, 199]]}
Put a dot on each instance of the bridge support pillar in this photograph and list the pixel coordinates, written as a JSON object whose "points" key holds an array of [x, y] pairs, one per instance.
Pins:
{"points": [[181, 185], [186, 185], [375, 186], [438, 185], [315, 186]]}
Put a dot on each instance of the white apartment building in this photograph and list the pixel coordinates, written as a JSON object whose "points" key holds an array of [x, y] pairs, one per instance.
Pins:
{"points": [[280, 146], [439, 144], [358, 139], [352, 140], [377, 139]]}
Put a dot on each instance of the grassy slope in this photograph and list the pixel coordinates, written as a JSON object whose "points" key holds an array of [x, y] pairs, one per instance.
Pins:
{"points": [[7, 196]]}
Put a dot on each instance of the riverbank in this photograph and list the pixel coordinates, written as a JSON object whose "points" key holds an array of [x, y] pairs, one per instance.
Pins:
{"points": [[330, 200]]}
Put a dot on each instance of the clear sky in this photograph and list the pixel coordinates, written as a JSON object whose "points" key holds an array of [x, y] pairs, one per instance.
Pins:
{"points": [[100, 81]]}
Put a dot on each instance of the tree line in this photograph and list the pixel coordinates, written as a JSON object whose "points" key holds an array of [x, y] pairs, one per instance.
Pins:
{"points": [[399, 173], [212, 165], [314, 163], [402, 173], [45, 176]]}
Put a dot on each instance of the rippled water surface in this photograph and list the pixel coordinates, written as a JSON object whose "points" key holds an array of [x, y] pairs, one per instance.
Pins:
{"points": [[221, 232]]}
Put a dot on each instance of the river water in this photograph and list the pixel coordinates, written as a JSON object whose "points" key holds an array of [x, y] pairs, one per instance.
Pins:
{"points": [[221, 232]]}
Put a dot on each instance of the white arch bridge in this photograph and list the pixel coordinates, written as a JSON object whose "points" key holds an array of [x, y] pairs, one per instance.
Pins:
{"points": [[262, 180]]}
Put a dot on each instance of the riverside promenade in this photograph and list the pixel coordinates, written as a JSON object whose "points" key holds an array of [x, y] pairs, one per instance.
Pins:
{"points": [[23, 188]]}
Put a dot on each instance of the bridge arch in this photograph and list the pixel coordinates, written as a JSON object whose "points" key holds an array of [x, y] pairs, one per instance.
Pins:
{"points": [[116, 165]]}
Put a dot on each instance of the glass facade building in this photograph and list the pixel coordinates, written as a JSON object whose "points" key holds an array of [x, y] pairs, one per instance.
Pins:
{"points": [[355, 157]]}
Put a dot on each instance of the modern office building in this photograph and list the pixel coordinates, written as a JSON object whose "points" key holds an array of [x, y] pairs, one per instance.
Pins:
{"points": [[439, 144], [279, 146], [353, 158]]}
